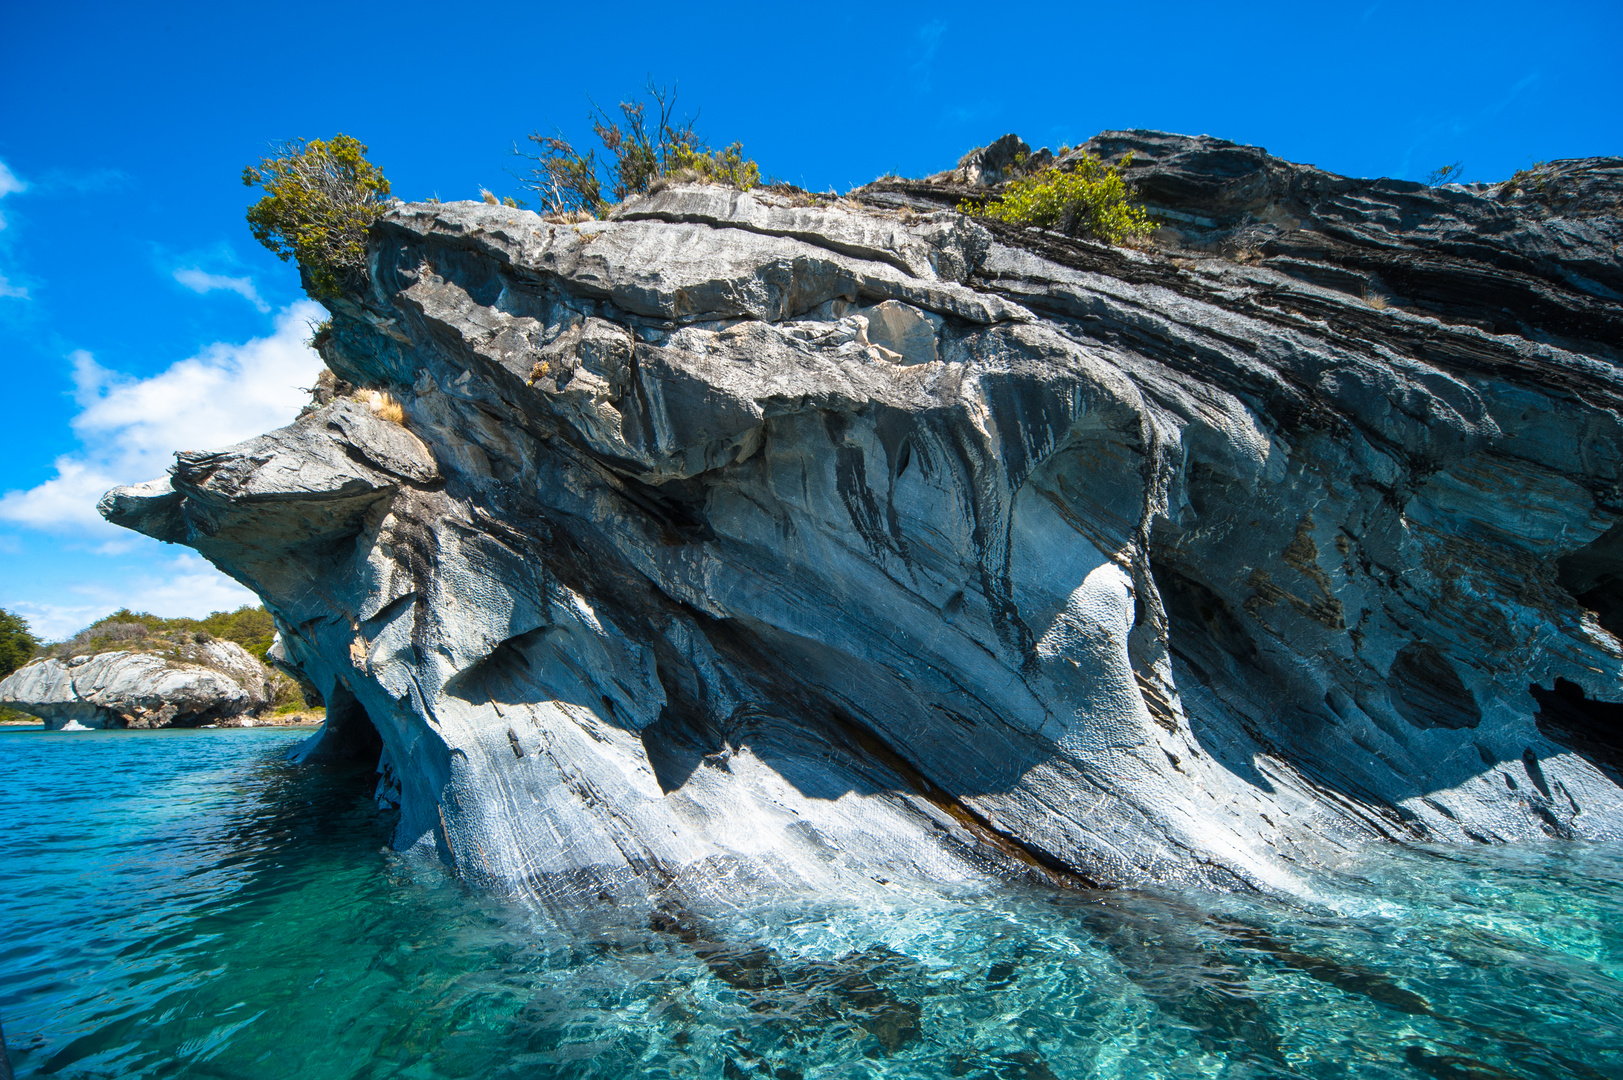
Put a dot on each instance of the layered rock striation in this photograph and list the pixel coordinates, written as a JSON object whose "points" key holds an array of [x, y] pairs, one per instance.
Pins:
{"points": [[755, 538], [200, 682]]}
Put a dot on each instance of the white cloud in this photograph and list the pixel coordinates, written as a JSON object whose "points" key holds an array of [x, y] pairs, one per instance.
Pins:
{"points": [[68, 498], [84, 182], [9, 185], [928, 39], [184, 586], [8, 181], [53, 622], [129, 429], [201, 282], [89, 377]]}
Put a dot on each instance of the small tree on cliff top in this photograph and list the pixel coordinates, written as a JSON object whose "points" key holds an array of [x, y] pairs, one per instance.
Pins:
{"points": [[651, 145], [320, 198]]}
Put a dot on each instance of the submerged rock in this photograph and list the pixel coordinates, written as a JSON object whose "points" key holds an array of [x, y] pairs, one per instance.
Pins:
{"points": [[755, 538], [201, 682]]}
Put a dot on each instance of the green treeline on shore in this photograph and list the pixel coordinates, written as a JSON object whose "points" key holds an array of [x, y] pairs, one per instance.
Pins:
{"points": [[18, 645], [250, 627]]}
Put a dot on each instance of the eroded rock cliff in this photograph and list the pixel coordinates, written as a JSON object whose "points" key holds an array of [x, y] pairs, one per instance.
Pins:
{"points": [[762, 537]]}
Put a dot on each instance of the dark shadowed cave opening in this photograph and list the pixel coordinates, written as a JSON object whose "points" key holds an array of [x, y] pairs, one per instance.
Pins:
{"points": [[1207, 619], [1427, 691], [1594, 576], [1587, 726], [349, 735], [504, 675]]}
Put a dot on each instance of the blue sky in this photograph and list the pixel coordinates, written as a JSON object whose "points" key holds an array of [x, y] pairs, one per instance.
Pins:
{"points": [[137, 316]]}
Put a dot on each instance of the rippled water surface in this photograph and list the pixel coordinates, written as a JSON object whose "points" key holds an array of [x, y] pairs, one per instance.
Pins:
{"points": [[185, 904]]}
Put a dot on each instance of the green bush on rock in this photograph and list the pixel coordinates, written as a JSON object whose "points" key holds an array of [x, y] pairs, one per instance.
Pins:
{"points": [[728, 166], [320, 198], [651, 146], [1083, 196]]}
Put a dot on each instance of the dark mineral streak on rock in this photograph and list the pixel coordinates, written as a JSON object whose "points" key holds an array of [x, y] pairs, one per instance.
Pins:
{"points": [[759, 540]]}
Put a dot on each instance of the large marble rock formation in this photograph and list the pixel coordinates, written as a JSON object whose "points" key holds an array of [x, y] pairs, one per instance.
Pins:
{"points": [[761, 537], [200, 682]]}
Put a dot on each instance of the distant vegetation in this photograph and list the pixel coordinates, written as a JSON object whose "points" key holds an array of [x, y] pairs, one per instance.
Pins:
{"points": [[17, 642], [17, 646], [320, 198], [651, 146], [250, 627], [1447, 174], [1083, 196], [1519, 181]]}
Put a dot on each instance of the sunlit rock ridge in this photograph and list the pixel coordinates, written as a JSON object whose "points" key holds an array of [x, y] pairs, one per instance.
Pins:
{"points": [[750, 540]]}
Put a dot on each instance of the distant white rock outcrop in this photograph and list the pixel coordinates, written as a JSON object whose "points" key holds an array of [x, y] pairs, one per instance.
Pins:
{"points": [[203, 682]]}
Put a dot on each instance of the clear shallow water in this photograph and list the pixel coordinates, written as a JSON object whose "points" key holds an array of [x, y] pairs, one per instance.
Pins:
{"points": [[183, 904]]}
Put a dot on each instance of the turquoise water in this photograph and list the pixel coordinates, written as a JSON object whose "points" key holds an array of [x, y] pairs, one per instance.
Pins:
{"points": [[185, 904]]}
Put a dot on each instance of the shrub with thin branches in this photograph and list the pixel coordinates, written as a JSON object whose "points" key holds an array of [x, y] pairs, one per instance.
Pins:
{"points": [[320, 198], [1084, 196], [1446, 174], [651, 145]]}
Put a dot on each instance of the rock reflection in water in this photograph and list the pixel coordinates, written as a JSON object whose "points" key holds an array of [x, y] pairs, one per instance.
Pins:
{"points": [[852, 989]]}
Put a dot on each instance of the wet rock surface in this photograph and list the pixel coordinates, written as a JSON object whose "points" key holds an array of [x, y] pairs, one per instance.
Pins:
{"points": [[203, 682], [752, 539]]}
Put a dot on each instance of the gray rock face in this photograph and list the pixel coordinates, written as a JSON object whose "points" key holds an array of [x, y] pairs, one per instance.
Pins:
{"points": [[759, 538], [205, 683]]}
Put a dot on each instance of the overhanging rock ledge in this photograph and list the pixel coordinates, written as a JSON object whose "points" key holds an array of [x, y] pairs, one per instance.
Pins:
{"points": [[754, 539]]}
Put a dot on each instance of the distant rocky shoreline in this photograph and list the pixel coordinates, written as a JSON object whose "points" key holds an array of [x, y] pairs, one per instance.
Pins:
{"points": [[312, 719], [201, 682]]}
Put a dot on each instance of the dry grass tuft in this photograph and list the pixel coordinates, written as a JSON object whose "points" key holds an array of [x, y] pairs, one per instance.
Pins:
{"points": [[1376, 301], [384, 404]]}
